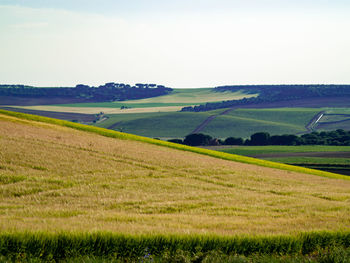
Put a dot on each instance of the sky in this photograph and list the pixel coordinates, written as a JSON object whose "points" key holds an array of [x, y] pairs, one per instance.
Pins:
{"points": [[181, 44]]}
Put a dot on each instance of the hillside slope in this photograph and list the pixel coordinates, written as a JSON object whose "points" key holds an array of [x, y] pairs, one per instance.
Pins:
{"points": [[56, 178]]}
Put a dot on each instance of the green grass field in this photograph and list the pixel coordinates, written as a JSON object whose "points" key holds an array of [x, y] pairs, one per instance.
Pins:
{"points": [[338, 110], [335, 165], [244, 122], [311, 160], [254, 150], [345, 125], [162, 125], [289, 116], [331, 161], [71, 191], [330, 121], [238, 123]]}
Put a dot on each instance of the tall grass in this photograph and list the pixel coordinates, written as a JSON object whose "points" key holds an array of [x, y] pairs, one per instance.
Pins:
{"points": [[126, 136], [47, 246]]}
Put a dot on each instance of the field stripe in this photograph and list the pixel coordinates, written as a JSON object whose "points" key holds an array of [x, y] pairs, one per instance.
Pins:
{"points": [[220, 155]]}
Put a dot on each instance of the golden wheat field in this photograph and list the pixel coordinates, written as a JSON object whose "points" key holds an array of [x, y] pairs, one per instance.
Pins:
{"points": [[54, 178]]}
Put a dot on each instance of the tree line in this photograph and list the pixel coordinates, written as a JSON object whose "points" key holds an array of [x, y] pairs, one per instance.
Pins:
{"points": [[338, 137], [272, 93], [108, 92]]}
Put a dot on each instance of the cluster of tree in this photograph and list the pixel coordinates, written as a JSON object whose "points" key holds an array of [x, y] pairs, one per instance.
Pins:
{"points": [[107, 92], [337, 137], [273, 93]]}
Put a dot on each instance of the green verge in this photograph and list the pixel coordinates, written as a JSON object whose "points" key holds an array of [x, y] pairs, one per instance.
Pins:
{"points": [[216, 154], [253, 150], [61, 246]]}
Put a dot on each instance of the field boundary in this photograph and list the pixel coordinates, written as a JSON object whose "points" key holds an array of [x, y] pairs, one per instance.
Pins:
{"points": [[216, 154], [205, 123]]}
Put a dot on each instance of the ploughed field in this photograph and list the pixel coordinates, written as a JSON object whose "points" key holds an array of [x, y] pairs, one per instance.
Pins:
{"points": [[54, 178]]}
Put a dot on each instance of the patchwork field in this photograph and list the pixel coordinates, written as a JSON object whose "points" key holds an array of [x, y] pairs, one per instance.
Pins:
{"points": [[97, 109], [237, 123], [167, 103], [178, 97], [159, 117]]}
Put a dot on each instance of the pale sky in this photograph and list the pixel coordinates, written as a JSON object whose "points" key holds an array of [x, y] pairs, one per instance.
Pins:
{"points": [[182, 43]]}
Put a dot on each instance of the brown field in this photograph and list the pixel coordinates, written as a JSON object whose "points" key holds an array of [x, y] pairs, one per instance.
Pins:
{"points": [[95, 110], [57, 115], [54, 178]]}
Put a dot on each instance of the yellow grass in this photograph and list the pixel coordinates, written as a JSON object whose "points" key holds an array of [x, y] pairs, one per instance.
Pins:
{"points": [[195, 96], [95, 110], [55, 178]]}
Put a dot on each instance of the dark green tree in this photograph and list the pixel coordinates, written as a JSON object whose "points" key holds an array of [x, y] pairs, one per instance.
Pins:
{"points": [[233, 141], [260, 138], [197, 139]]}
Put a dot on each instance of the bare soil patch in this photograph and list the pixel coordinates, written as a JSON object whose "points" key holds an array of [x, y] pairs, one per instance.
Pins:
{"points": [[80, 117]]}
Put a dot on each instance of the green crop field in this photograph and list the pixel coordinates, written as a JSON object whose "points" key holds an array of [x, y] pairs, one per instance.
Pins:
{"points": [[162, 125], [311, 160], [254, 150], [345, 125], [71, 191], [238, 123], [244, 122], [116, 118], [289, 116], [336, 118], [338, 110], [327, 158], [331, 164]]}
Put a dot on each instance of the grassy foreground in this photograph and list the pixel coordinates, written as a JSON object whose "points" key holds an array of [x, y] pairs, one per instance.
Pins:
{"points": [[125, 136], [103, 247]]}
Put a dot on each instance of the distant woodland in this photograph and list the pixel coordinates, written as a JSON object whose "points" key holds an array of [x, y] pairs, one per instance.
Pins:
{"points": [[273, 93], [107, 92], [338, 137]]}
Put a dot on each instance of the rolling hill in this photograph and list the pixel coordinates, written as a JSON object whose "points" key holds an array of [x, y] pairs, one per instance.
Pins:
{"points": [[55, 178], [237, 123], [242, 111], [70, 192]]}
